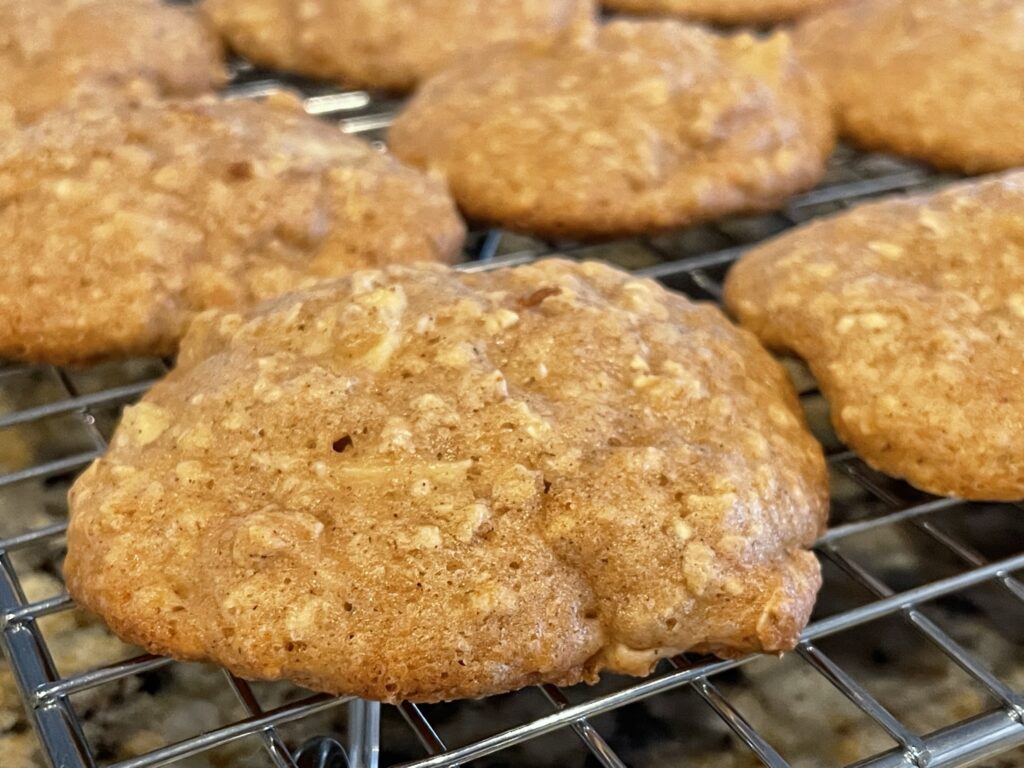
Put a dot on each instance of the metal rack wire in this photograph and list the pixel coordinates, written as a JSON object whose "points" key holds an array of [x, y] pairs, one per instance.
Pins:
{"points": [[693, 262]]}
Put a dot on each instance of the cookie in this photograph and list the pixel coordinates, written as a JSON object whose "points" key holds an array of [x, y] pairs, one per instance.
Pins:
{"points": [[645, 126], [48, 47], [424, 484], [910, 313], [935, 80], [119, 221], [389, 44], [722, 11]]}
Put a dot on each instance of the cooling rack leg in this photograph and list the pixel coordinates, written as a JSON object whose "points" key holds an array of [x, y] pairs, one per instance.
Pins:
{"points": [[363, 733]]}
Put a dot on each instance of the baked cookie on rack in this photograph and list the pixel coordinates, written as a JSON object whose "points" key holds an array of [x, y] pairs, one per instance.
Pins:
{"points": [[389, 44], [722, 11], [936, 80], [642, 126], [48, 47], [424, 484], [119, 220], [910, 313]]}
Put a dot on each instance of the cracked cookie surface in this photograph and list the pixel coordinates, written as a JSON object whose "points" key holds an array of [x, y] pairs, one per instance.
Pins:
{"points": [[423, 484]]}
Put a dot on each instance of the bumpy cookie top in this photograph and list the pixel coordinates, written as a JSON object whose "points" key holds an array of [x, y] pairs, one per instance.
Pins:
{"points": [[722, 11], [119, 221], [935, 79], [645, 125], [910, 312], [423, 484], [389, 44], [47, 47]]}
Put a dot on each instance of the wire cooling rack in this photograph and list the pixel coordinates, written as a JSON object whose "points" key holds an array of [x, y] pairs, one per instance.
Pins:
{"points": [[918, 589]]}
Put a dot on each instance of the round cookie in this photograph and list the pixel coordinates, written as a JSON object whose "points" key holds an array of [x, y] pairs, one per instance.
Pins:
{"points": [[420, 484], [910, 313], [936, 80], [48, 47], [644, 126], [119, 221], [390, 44], [722, 11]]}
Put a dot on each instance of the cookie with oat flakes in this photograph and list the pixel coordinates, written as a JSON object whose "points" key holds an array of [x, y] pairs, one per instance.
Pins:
{"points": [[389, 44], [49, 47], [936, 80], [910, 313], [425, 484], [121, 219], [643, 126]]}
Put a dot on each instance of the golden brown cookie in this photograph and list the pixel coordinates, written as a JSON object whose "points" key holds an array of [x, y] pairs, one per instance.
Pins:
{"points": [[119, 221], [391, 44], [722, 11], [910, 313], [48, 47], [645, 126], [423, 484], [937, 80]]}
